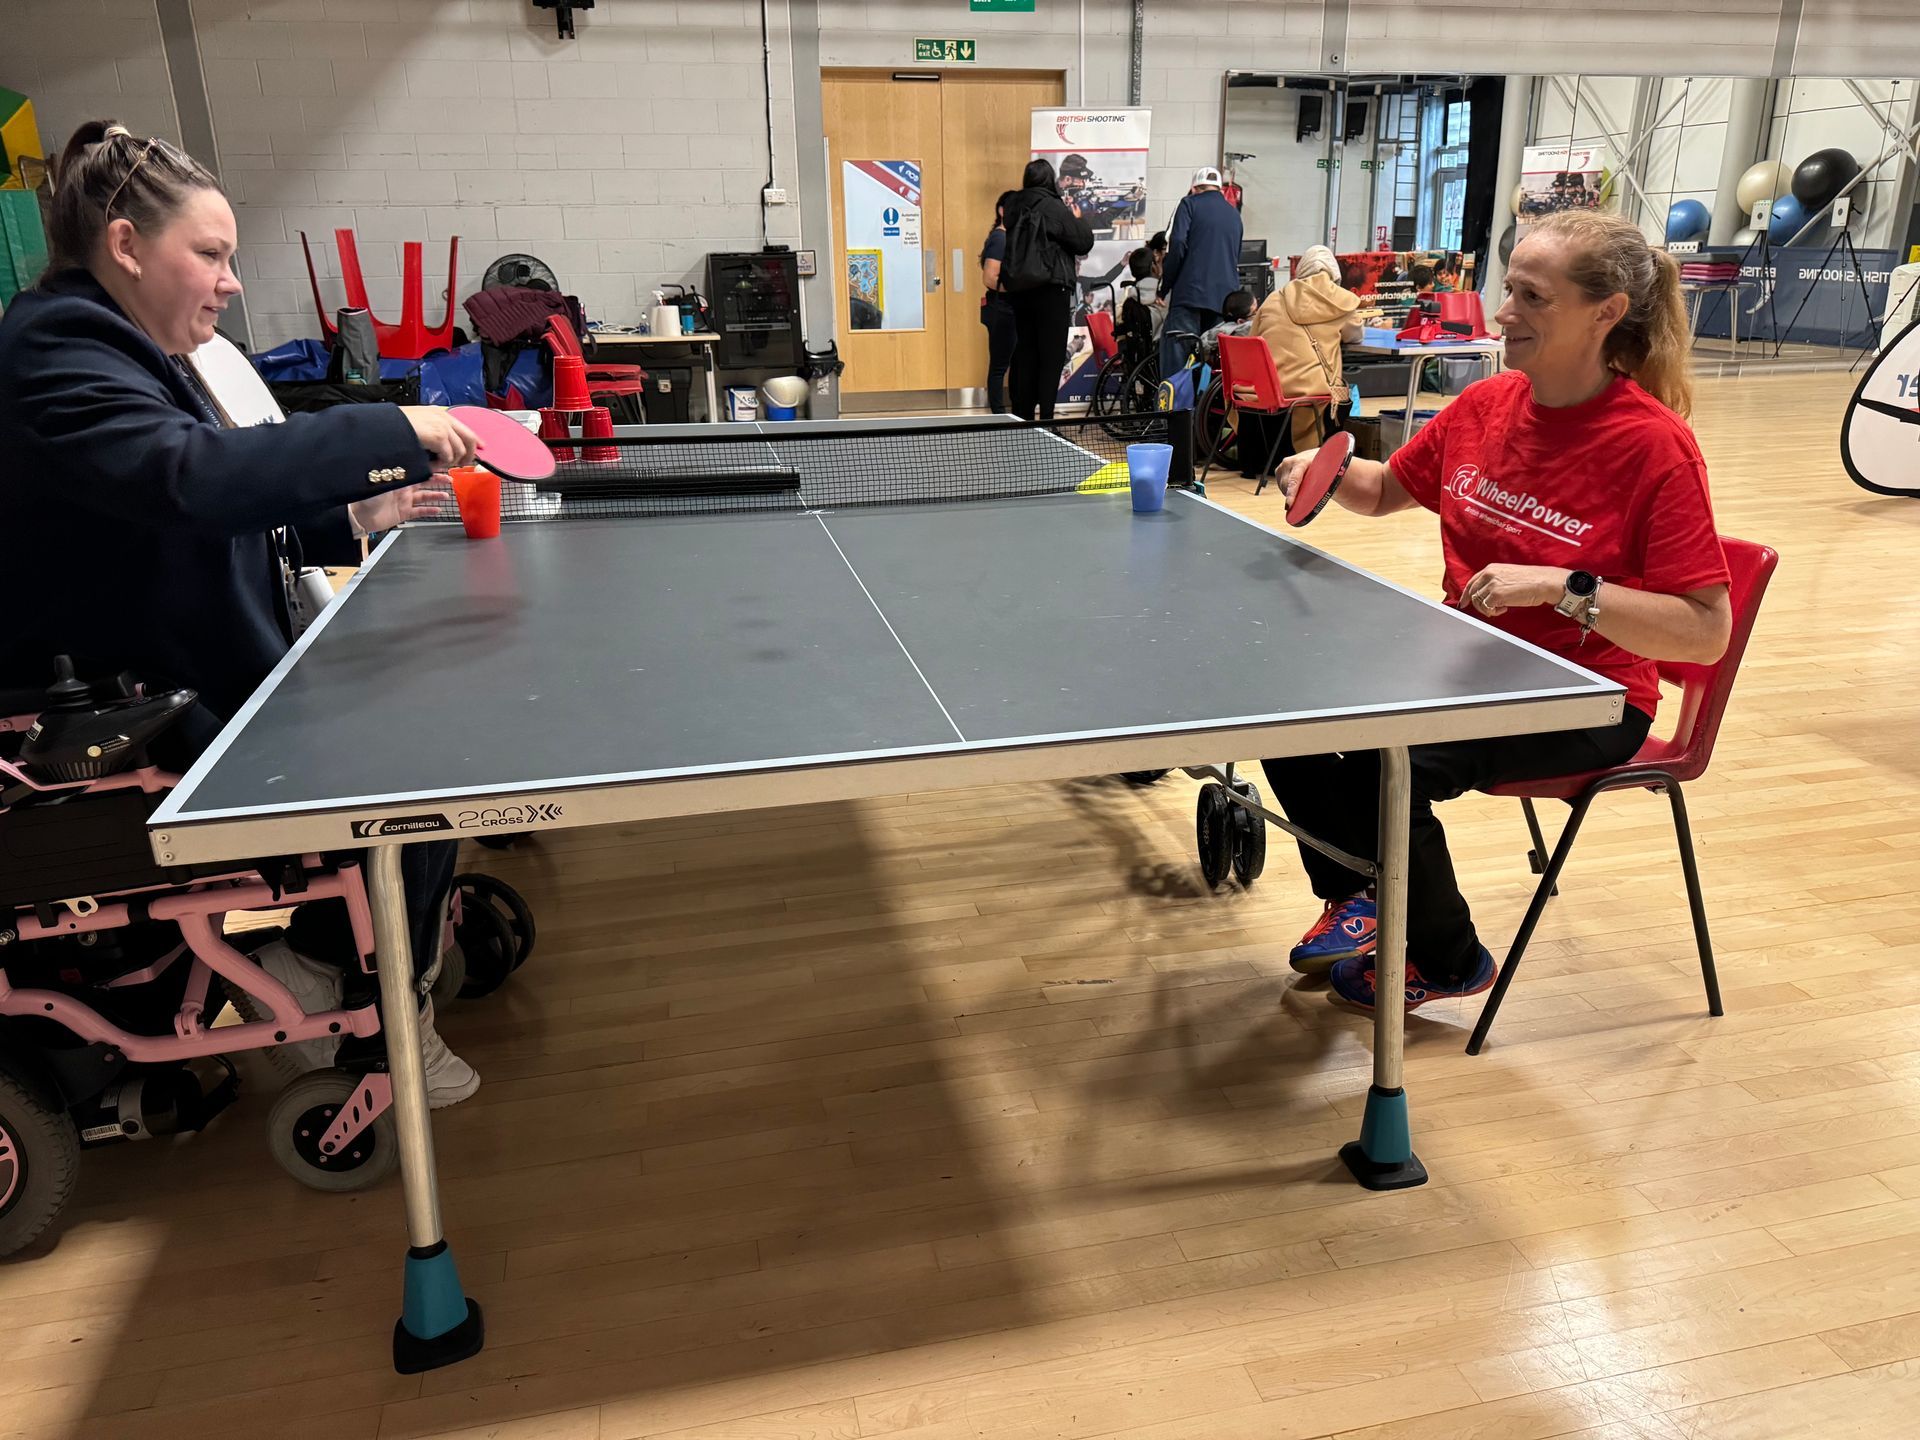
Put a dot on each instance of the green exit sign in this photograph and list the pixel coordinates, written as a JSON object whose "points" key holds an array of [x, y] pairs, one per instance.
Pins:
{"points": [[960, 51], [1005, 7]]}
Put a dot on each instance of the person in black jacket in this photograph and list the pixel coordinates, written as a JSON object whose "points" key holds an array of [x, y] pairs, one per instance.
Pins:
{"points": [[1042, 285], [144, 534]]}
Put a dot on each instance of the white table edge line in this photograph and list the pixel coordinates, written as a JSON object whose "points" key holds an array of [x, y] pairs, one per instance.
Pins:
{"points": [[1602, 690]]}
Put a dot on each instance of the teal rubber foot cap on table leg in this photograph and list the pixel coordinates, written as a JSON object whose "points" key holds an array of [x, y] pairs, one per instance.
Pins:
{"points": [[1382, 1158], [438, 1324]]}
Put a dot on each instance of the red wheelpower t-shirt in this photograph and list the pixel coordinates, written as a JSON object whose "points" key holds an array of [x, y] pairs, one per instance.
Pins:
{"points": [[1614, 485]]}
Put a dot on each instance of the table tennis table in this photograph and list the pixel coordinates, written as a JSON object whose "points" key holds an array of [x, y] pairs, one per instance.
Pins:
{"points": [[1490, 350], [827, 611]]}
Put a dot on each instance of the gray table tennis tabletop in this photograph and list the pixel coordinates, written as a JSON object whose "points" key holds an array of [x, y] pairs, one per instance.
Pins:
{"points": [[594, 671]]}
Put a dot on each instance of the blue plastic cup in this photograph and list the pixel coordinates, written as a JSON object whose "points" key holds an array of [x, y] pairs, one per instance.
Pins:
{"points": [[1147, 467]]}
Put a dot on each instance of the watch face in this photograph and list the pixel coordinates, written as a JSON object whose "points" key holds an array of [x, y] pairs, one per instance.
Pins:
{"points": [[1582, 583]]}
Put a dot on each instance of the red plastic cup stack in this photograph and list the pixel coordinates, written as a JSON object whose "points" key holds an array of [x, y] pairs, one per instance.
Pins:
{"points": [[570, 384], [556, 426], [598, 425]]}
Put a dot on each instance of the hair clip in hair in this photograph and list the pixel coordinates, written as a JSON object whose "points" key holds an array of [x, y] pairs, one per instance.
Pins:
{"points": [[107, 210]]}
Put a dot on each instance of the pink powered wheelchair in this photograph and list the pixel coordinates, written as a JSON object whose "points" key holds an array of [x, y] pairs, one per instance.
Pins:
{"points": [[108, 961]]}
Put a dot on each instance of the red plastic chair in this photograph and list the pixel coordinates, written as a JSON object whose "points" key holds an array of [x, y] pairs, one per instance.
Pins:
{"points": [[410, 339], [1251, 382], [1661, 766], [602, 380], [1463, 307], [1100, 331]]}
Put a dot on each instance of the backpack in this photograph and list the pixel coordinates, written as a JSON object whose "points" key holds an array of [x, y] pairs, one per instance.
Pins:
{"points": [[1028, 265]]}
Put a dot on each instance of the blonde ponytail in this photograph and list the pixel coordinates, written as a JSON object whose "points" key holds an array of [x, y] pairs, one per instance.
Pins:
{"points": [[1609, 256]]}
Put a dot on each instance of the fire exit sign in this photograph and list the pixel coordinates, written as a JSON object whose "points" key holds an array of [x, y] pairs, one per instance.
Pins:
{"points": [[1003, 6], [960, 51]]}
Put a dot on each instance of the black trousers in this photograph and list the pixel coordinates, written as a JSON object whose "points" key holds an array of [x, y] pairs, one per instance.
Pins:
{"points": [[1040, 349], [320, 929], [1002, 334], [1337, 798]]}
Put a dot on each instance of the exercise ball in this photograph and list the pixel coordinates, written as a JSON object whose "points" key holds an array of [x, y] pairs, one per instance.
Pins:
{"points": [[1822, 175], [1687, 220], [1767, 181], [1507, 238], [1745, 235], [1788, 218]]}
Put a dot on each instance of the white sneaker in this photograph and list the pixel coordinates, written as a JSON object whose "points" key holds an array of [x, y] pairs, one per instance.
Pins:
{"points": [[449, 1078], [317, 988]]}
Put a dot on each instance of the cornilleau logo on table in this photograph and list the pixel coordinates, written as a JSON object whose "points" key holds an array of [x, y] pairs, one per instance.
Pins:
{"points": [[1480, 492], [400, 825]]}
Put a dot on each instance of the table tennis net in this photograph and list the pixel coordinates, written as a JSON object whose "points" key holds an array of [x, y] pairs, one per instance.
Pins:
{"points": [[878, 464]]}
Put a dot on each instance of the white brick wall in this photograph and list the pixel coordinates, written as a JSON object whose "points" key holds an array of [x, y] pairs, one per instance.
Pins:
{"points": [[87, 59], [620, 157], [624, 156]]}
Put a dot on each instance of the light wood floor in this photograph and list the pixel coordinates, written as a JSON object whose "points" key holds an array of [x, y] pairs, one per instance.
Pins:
{"points": [[968, 1118]]}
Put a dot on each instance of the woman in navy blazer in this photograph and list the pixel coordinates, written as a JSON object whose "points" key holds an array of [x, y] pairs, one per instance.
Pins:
{"points": [[140, 531]]}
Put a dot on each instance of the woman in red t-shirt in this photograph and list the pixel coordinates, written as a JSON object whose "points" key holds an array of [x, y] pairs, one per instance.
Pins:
{"points": [[1574, 514]]}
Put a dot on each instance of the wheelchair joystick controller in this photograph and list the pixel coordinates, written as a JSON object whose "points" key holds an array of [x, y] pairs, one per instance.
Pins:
{"points": [[85, 734]]}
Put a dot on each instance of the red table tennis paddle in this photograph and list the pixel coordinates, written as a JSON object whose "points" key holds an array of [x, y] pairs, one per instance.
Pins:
{"points": [[1321, 478], [506, 447]]}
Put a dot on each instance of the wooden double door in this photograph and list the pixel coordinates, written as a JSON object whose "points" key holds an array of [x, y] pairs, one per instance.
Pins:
{"points": [[966, 136]]}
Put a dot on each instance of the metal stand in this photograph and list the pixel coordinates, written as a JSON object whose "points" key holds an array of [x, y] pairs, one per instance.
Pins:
{"points": [[438, 1324], [1704, 310], [1844, 239]]}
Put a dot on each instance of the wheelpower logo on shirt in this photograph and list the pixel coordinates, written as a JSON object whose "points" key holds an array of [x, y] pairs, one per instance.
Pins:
{"points": [[1511, 509], [492, 817]]}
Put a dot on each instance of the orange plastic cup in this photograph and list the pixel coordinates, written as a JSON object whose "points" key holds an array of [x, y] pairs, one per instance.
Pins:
{"points": [[478, 493]]}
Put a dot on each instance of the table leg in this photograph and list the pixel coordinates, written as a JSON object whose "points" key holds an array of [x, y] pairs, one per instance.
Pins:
{"points": [[1382, 1158], [438, 1324], [1413, 397], [713, 387]]}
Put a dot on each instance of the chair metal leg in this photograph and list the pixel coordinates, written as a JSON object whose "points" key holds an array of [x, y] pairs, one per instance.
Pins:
{"points": [[1537, 856], [1541, 894], [1683, 832]]}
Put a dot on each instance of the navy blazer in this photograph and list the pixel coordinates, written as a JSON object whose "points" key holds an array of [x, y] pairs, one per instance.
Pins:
{"points": [[135, 531], [1202, 266]]}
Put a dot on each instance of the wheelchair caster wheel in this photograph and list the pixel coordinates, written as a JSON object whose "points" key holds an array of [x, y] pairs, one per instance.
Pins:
{"points": [[1249, 836], [1213, 831], [301, 1115], [39, 1162], [495, 935], [1144, 777]]}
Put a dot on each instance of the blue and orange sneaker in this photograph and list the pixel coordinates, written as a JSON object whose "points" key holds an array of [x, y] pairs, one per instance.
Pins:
{"points": [[1351, 984], [1344, 930]]}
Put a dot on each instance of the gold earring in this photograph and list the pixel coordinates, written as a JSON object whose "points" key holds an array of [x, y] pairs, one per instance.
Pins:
{"points": [[138, 272]]}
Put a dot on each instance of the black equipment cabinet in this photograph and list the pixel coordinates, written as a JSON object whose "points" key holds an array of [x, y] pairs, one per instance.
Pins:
{"points": [[755, 298]]}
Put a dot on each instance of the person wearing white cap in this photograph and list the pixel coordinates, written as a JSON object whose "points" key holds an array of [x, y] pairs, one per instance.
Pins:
{"points": [[1202, 266]]}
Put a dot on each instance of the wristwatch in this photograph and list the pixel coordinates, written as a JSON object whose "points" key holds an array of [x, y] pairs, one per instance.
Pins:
{"points": [[1581, 600]]}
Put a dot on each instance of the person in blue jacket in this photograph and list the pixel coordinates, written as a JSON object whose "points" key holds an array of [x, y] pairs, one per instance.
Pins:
{"points": [[1202, 267], [142, 533]]}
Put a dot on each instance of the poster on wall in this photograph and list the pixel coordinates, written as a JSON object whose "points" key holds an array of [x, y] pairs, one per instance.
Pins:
{"points": [[1100, 157], [881, 201], [1555, 178]]}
